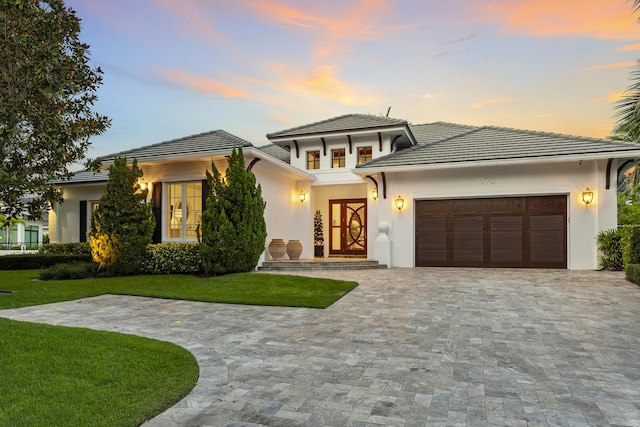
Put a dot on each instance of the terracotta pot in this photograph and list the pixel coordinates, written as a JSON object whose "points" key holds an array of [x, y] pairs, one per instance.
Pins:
{"points": [[294, 249], [277, 248]]}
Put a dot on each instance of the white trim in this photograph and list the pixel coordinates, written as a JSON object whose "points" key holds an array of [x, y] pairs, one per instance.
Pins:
{"points": [[501, 162]]}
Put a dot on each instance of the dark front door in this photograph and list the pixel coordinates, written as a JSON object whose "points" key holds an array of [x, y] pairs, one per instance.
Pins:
{"points": [[348, 227], [492, 232]]}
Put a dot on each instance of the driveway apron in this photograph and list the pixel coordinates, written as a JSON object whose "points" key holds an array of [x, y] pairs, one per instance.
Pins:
{"points": [[407, 347]]}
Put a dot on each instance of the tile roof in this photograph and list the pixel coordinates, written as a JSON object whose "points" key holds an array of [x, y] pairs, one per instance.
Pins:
{"points": [[348, 122], [196, 145], [86, 177], [449, 143], [276, 151]]}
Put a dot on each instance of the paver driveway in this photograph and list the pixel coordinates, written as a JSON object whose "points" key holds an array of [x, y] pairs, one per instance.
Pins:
{"points": [[408, 347]]}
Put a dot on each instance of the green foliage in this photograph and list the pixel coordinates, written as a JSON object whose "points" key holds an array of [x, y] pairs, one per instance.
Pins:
{"points": [[66, 248], [233, 227], [47, 91], [630, 245], [632, 273], [123, 223], [74, 270], [37, 261], [610, 243], [8, 223], [318, 232], [172, 258], [628, 209]]}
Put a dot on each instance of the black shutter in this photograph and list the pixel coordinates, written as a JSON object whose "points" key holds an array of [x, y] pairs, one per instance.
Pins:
{"points": [[205, 193], [83, 220], [157, 211]]}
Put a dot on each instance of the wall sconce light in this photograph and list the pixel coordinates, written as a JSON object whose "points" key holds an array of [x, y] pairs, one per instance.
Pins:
{"points": [[399, 202], [587, 196], [374, 194], [302, 196], [143, 185]]}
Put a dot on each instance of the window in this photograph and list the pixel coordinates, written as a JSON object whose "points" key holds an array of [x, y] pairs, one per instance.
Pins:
{"points": [[364, 154], [184, 206], [313, 160], [337, 158]]}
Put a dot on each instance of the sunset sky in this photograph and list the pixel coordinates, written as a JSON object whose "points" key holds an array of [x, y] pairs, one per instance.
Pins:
{"points": [[173, 68]]}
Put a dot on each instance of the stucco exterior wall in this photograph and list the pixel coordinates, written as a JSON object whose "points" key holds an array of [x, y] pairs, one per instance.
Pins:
{"points": [[500, 181]]}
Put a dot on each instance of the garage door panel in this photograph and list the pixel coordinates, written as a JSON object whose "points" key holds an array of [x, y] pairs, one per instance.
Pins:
{"points": [[506, 241], [431, 243], [493, 232]]}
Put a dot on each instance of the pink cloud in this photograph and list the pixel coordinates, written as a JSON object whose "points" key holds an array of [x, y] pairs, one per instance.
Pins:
{"points": [[193, 13], [601, 19], [623, 64], [202, 84], [629, 47]]}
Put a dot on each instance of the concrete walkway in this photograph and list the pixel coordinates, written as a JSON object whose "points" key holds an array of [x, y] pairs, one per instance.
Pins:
{"points": [[408, 347]]}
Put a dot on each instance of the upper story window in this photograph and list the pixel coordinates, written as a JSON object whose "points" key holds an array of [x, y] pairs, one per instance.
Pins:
{"points": [[313, 160], [338, 158], [184, 206], [364, 154]]}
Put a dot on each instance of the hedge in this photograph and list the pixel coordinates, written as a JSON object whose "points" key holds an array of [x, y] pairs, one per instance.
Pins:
{"points": [[631, 244], [172, 258], [37, 261], [66, 248], [632, 273]]}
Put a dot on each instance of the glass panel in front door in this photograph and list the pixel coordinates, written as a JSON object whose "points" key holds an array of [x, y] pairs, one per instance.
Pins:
{"points": [[355, 226]]}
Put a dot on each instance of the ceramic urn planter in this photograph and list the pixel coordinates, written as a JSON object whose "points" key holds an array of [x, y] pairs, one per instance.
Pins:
{"points": [[294, 249], [277, 249]]}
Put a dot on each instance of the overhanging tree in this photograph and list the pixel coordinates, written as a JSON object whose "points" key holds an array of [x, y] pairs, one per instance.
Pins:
{"points": [[47, 91], [122, 224], [234, 231]]}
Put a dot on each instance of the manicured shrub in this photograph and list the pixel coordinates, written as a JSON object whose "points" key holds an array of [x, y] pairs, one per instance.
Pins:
{"points": [[38, 261], [172, 258], [123, 222], [630, 244], [66, 248], [632, 273], [74, 270], [233, 227], [610, 243]]}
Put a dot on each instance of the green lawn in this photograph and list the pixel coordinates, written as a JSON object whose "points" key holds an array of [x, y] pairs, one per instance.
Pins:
{"points": [[243, 288], [59, 376]]}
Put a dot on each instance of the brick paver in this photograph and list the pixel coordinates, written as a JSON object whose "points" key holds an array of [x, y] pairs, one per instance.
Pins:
{"points": [[408, 347]]}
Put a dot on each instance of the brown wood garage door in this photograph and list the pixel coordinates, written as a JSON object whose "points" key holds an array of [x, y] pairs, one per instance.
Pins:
{"points": [[497, 232]]}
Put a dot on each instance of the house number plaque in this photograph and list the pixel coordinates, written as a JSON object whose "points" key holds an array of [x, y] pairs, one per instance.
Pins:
{"points": [[487, 180]]}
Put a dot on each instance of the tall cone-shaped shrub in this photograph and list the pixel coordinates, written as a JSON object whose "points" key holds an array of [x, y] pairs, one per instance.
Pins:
{"points": [[233, 227], [122, 224]]}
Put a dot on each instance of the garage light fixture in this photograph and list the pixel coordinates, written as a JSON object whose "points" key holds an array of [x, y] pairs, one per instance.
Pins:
{"points": [[587, 196], [399, 202]]}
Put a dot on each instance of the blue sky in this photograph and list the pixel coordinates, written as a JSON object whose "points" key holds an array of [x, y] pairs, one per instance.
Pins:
{"points": [[173, 68]]}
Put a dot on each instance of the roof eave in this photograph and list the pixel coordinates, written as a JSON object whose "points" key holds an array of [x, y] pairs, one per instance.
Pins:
{"points": [[257, 153], [327, 134], [363, 171]]}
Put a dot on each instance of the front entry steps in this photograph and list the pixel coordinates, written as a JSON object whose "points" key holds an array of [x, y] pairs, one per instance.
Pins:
{"points": [[321, 264]]}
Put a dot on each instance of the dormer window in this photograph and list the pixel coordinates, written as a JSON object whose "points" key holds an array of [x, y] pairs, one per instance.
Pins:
{"points": [[338, 158], [313, 160], [364, 154]]}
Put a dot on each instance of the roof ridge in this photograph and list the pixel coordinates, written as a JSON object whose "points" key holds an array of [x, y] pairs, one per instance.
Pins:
{"points": [[343, 116], [563, 135], [156, 144]]}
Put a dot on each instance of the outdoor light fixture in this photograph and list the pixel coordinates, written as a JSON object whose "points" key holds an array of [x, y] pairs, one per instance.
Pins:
{"points": [[399, 202], [587, 196], [302, 196], [374, 194], [143, 185]]}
